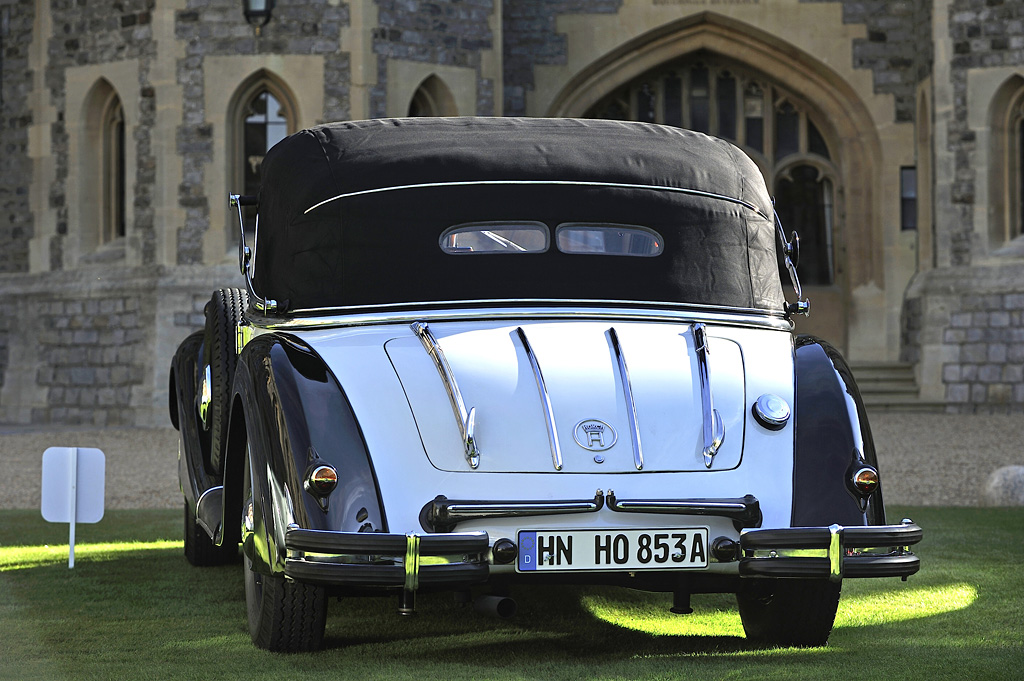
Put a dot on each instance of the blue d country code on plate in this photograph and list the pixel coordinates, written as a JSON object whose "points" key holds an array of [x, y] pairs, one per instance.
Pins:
{"points": [[660, 549]]}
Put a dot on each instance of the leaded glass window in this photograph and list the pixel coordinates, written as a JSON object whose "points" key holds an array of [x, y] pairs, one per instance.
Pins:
{"points": [[265, 125], [783, 135]]}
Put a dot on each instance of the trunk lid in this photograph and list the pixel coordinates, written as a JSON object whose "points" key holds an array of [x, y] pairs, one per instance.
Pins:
{"points": [[490, 367]]}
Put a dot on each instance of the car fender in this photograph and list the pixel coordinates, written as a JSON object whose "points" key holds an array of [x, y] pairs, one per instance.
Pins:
{"points": [[832, 437], [182, 386], [290, 413]]}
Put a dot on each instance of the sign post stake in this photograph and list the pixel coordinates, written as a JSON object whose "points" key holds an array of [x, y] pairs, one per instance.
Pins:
{"points": [[72, 503], [72, 490]]}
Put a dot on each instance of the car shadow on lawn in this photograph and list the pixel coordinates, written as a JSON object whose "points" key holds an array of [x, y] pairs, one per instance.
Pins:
{"points": [[553, 623]]}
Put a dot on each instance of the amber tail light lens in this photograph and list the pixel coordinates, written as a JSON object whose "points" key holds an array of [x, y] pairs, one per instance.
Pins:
{"points": [[865, 480], [321, 479]]}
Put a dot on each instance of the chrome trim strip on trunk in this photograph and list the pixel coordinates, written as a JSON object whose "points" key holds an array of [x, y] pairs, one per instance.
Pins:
{"points": [[466, 421], [532, 308], [549, 414], [627, 390], [713, 428]]}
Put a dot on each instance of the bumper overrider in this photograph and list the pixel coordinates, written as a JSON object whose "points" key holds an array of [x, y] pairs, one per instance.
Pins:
{"points": [[374, 559]]}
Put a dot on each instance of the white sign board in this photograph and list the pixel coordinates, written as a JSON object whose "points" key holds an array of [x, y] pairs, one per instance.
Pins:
{"points": [[73, 487]]}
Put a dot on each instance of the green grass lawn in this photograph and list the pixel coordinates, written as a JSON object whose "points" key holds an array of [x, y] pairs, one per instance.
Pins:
{"points": [[133, 608]]}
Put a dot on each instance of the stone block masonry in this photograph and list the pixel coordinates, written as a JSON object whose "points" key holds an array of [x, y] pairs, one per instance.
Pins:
{"points": [[448, 33], [973, 319], [94, 348], [16, 223], [216, 28]]}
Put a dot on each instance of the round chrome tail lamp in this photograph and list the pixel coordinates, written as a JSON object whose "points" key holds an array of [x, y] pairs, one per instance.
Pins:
{"points": [[321, 479], [864, 480]]}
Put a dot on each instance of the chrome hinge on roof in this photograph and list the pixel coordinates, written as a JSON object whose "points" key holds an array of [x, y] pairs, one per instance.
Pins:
{"points": [[791, 255], [247, 256]]}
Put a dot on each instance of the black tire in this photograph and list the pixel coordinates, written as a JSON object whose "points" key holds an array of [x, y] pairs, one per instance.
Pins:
{"points": [[788, 612], [284, 616], [200, 549], [223, 312]]}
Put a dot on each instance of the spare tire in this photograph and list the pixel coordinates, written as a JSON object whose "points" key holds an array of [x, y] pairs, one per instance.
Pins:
{"points": [[223, 313]]}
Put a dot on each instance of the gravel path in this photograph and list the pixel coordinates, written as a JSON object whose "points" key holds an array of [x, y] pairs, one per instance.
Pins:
{"points": [[925, 459]]}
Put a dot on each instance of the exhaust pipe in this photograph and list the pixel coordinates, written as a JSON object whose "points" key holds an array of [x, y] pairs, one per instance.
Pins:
{"points": [[496, 606]]}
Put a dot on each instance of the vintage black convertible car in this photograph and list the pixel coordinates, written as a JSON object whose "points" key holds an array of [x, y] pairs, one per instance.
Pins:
{"points": [[483, 354]]}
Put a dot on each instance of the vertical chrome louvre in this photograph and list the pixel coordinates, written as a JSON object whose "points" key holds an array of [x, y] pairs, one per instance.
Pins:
{"points": [[549, 414], [713, 429], [466, 420], [627, 390]]}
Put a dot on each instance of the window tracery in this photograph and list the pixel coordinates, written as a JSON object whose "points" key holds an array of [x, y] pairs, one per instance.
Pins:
{"points": [[713, 95]]}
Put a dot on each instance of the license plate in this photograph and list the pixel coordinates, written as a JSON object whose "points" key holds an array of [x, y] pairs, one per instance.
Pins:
{"points": [[678, 548]]}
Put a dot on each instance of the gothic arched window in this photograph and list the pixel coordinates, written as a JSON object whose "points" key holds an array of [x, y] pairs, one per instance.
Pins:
{"points": [[433, 98], [262, 114], [710, 94], [113, 170], [1016, 169], [265, 124]]}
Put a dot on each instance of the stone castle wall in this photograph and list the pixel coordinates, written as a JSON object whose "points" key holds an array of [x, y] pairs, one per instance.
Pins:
{"points": [[82, 349], [91, 345]]}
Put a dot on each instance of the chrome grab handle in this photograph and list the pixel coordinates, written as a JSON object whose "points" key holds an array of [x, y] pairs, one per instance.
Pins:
{"points": [[465, 420], [442, 514], [627, 389], [549, 414], [247, 257], [714, 428]]}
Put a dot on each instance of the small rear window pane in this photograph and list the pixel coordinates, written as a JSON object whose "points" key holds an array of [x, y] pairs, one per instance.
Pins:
{"points": [[495, 237], [608, 239]]}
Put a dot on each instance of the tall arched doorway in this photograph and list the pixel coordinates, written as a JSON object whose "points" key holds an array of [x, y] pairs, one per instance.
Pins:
{"points": [[812, 137]]}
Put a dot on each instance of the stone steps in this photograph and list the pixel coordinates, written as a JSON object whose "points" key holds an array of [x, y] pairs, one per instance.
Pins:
{"points": [[891, 386]]}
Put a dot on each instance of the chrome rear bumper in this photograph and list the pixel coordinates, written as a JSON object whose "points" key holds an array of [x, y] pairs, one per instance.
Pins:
{"points": [[833, 552]]}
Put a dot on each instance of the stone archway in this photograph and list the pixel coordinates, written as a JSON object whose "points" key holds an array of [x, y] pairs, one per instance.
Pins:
{"points": [[846, 119]]}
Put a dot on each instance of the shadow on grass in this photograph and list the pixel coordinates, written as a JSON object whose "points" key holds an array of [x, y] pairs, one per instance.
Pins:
{"points": [[141, 604]]}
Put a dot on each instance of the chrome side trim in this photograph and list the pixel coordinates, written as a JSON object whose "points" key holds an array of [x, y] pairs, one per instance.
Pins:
{"points": [[627, 390], [714, 429], [549, 414], [560, 183], [466, 421], [534, 308], [208, 510]]}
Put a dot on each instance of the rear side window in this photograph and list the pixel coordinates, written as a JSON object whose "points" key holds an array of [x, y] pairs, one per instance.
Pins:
{"points": [[495, 237], [600, 238]]}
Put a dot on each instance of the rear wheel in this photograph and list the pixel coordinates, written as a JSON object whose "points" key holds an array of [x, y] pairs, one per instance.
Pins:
{"points": [[223, 312], [284, 616], [788, 612]]}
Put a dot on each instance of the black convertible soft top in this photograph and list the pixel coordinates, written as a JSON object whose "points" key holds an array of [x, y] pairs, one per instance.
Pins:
{"points": [[351, 213]]}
